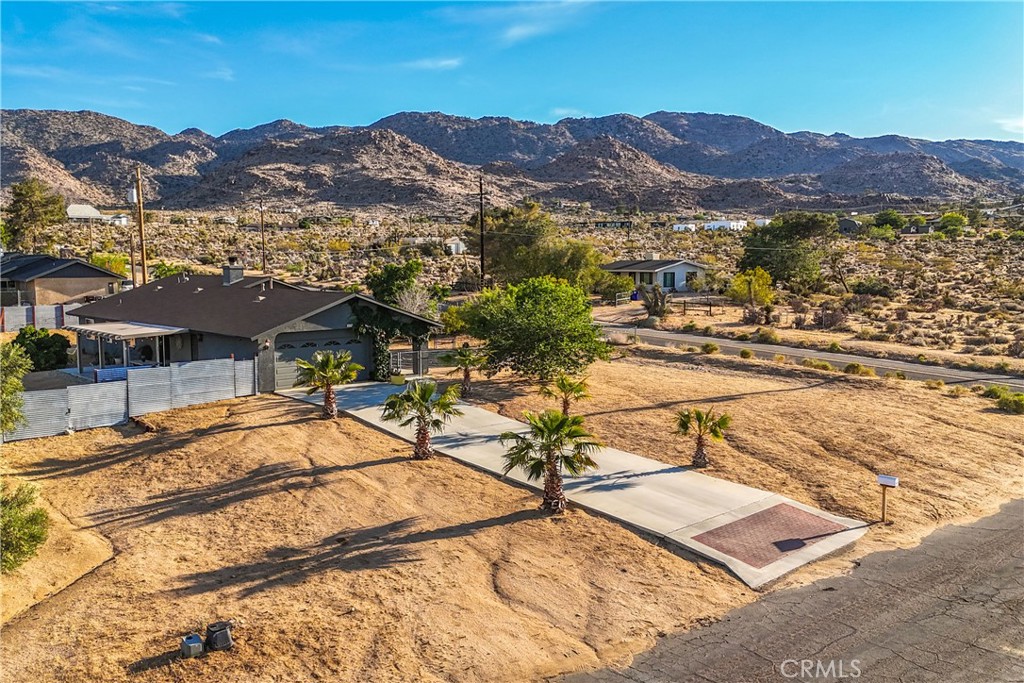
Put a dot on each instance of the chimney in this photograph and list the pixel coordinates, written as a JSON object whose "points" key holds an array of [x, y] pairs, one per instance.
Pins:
{"points": [[232, 271]]}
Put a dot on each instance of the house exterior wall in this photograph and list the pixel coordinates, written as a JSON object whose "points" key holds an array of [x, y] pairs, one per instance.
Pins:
{"points": [[46, 291], [648, 279]]}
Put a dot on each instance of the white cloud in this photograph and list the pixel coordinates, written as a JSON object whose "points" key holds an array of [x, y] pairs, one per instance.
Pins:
{"points": [[49, 73], [435, 64], [209, 38], [516, 22], [1015, 126], [222, 73]]}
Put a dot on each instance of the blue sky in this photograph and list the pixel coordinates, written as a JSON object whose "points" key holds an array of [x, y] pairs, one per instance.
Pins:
{"points": [[933, 70]]}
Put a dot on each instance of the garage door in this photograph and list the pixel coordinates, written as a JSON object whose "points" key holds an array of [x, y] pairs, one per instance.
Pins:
{"points": [[292, 346]]}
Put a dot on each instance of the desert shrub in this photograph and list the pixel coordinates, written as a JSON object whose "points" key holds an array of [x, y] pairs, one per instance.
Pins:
{"points": [[834, 347], [934, 384], [746, 353], [895, 374], [1016, 236], [766, 336], [619, 338], [1014, 403], [779, 358], [902, 314], [23, 527], [742, 336], [751, 315], [709, 329], [709, 347], [872, 286], [957, 391], [996, 391], [1002, 366], [817, 364], [858, 369], [691, 349], [828, 316], [690, 326], [799, 321]]}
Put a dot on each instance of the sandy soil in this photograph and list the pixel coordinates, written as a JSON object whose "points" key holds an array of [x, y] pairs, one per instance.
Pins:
{"points": [[339, 558], [819, 438], [68, 554]]}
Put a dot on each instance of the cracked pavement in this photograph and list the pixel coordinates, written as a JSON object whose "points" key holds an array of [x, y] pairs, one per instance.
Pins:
{"points": [[950, 610]]}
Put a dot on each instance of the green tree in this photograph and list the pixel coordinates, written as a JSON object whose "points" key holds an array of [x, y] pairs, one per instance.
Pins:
{"points": [[115, 263], [891, 218], [538, 328], [952, 220], [421, 406], [566, 389], [703, 425], [23, 528], [33, 208], [791, 247], [752, 287], [465, 360], [322, 372], [46, 351], [161, 269], [388, 282], [917, 221], [510, 234], [555, 443], [14, 365]]}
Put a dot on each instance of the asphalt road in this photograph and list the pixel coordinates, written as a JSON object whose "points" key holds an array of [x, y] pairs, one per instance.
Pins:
{"points": [[839, 360], [950, 611]]}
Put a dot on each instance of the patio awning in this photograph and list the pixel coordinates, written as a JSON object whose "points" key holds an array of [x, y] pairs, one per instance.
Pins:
{"points": [[122, 331]]}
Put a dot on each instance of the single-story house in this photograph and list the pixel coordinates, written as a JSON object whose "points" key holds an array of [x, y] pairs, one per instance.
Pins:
{"points": [[202, 317], [761, 222], [685, 227], [672, 274], [725, 225], [926, 229], [41, 280], [120, 219], [613, 224], [83, 213], [455, 246]]}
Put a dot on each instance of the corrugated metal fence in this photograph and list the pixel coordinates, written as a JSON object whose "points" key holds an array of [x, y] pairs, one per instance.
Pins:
{"points": [[13, 318], [147, 390]]}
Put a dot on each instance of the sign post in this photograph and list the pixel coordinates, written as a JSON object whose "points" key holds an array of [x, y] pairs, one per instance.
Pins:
{"points": [[886, 482]]}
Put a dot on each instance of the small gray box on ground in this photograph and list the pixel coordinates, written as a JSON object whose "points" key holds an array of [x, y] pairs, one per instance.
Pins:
{"points": [[191, 645]]}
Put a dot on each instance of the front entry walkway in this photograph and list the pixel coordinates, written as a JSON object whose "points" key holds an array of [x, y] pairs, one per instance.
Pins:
{"points": [[759, 536]]}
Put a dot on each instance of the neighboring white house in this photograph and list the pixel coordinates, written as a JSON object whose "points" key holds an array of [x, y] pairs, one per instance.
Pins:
{"points": [[761, 222], [672, 274], [84, 213], [416, 241], [685, 227], [725, 225], [120, 219], [455, 246]]}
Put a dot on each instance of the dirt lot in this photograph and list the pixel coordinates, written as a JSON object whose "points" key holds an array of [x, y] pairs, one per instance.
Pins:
{"points": [[340, 558], [816, 437]]}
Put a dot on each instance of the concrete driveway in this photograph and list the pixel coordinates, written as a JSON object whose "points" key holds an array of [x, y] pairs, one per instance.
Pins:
{"points": [[948, 611], [757, 534]]}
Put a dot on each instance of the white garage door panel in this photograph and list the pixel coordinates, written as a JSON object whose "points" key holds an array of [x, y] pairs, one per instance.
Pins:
{"points": [[290, 347]]}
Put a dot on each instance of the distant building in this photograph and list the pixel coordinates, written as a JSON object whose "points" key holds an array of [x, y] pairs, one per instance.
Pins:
{"points": [[225, 220], [83, 213], [685, 227], [658, 224], [674, 275], [725, 225], [41, 280], [613, 224], [761, 222], [455, 246], [120, 219]]}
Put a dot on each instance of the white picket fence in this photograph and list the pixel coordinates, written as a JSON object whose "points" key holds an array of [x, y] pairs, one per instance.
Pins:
{"points": [[146, 390]]}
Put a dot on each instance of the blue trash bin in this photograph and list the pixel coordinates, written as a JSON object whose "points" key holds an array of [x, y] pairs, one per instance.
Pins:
{"points": [[635, 296]]}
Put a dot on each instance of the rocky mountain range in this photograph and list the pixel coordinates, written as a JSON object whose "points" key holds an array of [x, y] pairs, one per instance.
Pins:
{"points": [[663, 161]]}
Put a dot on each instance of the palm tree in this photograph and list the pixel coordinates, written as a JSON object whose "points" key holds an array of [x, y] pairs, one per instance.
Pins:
{"points": [[702, 425], [418, 405], [556, 442], [466, 360], [322, 372], [568, 390]]}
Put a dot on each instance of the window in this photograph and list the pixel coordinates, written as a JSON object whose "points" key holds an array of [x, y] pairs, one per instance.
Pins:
{"points": [[668, 280], [282, 347], [332, 342], [110, 288], [308, 345], [647, 278]]}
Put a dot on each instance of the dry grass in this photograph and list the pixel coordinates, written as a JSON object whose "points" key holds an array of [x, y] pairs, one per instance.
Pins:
{"points": [[340, 558], [817, 437]]}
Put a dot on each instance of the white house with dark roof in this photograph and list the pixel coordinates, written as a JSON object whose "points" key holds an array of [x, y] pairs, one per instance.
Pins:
{"points": [[673, 275]]}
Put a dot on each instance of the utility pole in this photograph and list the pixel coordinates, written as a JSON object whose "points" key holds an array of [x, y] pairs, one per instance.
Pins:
{"points": [[142, 224], [263, 236], [483, 271], [131, 253]]}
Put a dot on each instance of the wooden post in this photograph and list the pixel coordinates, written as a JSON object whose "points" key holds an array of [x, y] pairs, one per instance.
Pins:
{"points": [[885, 490], [142, 224]]}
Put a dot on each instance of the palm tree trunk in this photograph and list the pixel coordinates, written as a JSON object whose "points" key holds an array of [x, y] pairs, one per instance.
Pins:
{"points": [[466, 379], [566, 404], [700, 456], [422, 450], [554, 496], [330, 403]]}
